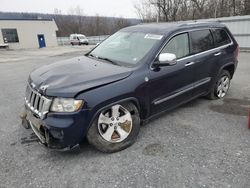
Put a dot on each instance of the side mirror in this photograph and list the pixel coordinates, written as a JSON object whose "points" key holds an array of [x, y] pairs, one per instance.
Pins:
{"points": [[166, 59]]}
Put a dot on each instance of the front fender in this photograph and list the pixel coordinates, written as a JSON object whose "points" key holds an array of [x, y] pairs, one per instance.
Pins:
{"points": [[132, 89]]}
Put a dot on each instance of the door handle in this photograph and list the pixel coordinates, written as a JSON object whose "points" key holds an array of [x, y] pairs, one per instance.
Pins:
{"points": [[189, 64], [216, 54]]}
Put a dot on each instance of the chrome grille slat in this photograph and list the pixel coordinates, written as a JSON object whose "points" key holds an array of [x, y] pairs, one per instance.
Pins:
{"points": [[30, 95], [37, 103], [41, 104], [32, 99]]}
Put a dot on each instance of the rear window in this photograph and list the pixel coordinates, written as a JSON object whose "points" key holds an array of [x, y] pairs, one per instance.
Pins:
{"points": [[201, 40], [221, 37]]}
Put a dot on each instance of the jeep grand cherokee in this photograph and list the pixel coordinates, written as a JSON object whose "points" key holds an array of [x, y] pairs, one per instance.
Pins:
{"points": [[135, 74]]}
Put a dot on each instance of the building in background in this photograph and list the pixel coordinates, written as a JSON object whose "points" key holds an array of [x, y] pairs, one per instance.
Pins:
{"points": [[36, 33]]}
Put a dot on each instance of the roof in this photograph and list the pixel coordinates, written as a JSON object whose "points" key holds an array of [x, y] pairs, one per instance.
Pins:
{"points": [[166, 27], [26, 19], [17, 23]]}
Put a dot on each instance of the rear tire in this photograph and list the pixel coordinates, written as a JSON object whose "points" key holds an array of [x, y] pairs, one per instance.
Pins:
{"points": [[221, 86], [111, 133]]}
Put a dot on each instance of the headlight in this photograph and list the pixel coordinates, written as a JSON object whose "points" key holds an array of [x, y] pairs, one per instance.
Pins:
{"points": [[66, 105]]}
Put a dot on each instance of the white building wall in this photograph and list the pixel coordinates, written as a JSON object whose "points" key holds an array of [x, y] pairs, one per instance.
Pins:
{"points": [[28, 30]]}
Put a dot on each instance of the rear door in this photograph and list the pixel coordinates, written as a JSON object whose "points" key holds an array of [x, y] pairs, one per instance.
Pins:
{"points": [[170, 86], [206, 58], [225, 47]]}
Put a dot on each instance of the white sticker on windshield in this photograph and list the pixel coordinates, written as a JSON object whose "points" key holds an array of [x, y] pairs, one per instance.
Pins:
{"points": [[152, 36]]}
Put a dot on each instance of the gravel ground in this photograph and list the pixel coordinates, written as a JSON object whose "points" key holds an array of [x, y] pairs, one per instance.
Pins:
{"points": [[201, 144]]}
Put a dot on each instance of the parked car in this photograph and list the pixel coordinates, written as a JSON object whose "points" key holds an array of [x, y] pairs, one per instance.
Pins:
{"points": [[132, 76], [78, 39]]}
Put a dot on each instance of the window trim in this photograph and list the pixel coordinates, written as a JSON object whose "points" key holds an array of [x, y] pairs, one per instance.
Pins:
{"points": [[213, 34], [189, 45], [203, 50], [188, 31]]}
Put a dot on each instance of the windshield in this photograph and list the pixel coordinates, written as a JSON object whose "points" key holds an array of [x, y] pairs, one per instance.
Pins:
{"points": [[126, 47]]}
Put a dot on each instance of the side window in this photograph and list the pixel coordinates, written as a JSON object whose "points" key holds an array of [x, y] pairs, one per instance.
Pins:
{"points": [[201, 40], [178, 45], [220, 37]]}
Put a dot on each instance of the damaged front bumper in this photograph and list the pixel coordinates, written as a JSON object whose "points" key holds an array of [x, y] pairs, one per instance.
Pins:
{"points": [[58, 132]]}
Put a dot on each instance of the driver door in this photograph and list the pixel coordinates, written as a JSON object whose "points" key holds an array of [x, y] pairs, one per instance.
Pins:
{"points": [[169, 86]]}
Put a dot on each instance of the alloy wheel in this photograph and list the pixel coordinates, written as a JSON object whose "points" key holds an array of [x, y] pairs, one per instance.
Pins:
{"points": [[115, 124], [223, 86]]}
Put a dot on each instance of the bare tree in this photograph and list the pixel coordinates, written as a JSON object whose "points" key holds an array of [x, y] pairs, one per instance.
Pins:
{"points": [[174, 10], [200, 7], [215, 8], [247, 7], [77, 19], [145, 11]]}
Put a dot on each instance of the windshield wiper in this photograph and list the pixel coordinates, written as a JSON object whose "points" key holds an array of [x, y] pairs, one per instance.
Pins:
{"points": [[107, 59], [91, 55], [104, 58]]}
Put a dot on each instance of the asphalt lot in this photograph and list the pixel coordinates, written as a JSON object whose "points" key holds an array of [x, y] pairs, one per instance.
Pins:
{"points": [[201, 144]]}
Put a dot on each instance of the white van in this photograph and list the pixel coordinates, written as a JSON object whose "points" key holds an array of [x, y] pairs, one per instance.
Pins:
{"points": [[78, 39]]}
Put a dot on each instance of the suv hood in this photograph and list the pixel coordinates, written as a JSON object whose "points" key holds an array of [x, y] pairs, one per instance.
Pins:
{"points": [[69, 77]]}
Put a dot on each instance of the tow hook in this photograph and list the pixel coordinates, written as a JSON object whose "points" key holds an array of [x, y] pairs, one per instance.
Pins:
{"points": [[25, 122]]}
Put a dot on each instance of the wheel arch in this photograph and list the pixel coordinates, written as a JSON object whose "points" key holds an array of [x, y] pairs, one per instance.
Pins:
{"points": [[230, 68]]}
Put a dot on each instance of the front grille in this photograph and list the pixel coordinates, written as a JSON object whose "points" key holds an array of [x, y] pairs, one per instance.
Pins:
{"points": [[37, 103]]}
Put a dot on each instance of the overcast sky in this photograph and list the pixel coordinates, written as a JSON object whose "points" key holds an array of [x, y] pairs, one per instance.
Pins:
{"points": [[115, 8]]}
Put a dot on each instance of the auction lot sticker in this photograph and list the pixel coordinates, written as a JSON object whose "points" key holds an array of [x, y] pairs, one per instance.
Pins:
{"points": [[152, 36]]}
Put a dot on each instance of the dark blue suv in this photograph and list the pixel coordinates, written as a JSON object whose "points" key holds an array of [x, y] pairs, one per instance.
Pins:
{"points": [[135, 74]]}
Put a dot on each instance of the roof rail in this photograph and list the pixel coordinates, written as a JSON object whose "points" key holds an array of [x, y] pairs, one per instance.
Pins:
{"points": [[197, 22]]}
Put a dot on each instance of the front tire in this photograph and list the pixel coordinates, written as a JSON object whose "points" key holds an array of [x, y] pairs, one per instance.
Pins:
{"points": [[221, 87], [115, 128]]}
